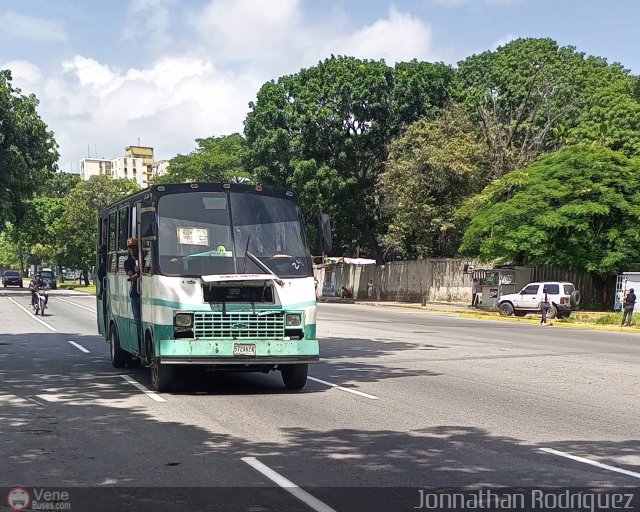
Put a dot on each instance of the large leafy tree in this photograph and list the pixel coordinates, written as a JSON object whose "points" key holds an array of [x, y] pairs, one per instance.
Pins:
{"points": [[325, 132], [76, 229], [216, 159], [35, 232], [431, 169], [529, 95], [59, 184], [28, 151], [578, 209]]}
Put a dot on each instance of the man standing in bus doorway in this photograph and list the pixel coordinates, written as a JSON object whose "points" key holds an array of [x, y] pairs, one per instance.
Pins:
{"points": [[132, 269]]}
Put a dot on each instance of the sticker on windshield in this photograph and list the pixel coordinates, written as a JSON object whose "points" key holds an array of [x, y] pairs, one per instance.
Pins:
{"points": [[193, 236]]}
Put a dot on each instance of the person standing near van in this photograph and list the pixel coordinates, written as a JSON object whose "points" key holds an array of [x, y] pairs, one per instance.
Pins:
{"points": [[474, 293], [544, 307], [628, 304]]}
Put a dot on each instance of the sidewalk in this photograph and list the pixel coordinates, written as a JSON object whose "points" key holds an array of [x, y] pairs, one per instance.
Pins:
{"points": [[456, 307]]}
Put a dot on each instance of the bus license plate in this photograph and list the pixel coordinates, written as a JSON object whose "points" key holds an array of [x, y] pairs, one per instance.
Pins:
{"points": [[244, 350]]}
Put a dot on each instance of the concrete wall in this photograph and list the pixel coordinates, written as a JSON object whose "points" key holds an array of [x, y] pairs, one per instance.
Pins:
{"points": [[439, 280], [401, 281]]}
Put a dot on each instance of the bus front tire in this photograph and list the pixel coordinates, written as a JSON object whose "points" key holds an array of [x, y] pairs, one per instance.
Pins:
{"points": [[294, 376], [161, 376], [119, 357]]}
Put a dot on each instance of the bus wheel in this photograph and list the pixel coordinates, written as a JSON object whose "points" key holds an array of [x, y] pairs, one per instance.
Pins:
{"points": [[119, 357], [294, 376], [161, 374]]}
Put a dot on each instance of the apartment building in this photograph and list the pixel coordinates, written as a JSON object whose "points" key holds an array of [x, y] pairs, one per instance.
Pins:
{"points": [[132, 168], [137, 164], [94, 167]]}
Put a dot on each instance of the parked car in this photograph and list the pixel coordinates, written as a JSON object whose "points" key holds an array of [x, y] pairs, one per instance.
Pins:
{"points": [[49, 279], [563, 298], [11, 278]]}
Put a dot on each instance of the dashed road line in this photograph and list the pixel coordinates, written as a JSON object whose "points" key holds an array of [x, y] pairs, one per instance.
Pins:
{"points": [[145, 390], [78, 346], [591, 462], [288, 485], [341, 388]]}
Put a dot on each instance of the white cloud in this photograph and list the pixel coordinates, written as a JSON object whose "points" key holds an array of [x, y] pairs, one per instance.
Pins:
{"points": [[18, 26], [167, 106], [273, 37], [23, 71], [148, 21], [259, 31], [400, 37]]}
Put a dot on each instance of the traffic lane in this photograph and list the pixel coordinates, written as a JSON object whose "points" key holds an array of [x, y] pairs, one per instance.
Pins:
{"points": [[383, 323], [64, 312], [69, 419], [340, 479], [537, 396]]}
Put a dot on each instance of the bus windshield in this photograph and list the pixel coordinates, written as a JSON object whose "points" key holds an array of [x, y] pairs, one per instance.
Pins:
{"points": [[207, 233]]}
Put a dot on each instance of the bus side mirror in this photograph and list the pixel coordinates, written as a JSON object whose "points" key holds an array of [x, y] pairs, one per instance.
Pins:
{"points": [[324, 229], [148, 222]]}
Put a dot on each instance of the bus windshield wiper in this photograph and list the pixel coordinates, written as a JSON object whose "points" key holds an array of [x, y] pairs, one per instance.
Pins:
{"points": [[264, 267]]}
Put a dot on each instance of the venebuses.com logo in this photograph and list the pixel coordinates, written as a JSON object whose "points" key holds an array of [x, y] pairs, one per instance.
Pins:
{"points": [[18, 498]]}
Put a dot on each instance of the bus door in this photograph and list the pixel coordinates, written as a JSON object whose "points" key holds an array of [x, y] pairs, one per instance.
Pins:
{"points": [[101, 275]]}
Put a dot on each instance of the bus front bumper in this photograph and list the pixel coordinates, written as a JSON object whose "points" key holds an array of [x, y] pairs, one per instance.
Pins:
{"points": [[237, 352]]}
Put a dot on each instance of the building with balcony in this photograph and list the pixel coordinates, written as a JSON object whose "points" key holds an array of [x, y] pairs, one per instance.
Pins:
{"points": [[94, 167]]}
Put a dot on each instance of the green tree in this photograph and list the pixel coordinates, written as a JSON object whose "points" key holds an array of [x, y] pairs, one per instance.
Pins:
{"points": [[59, 184], [34, 234], [431, 170], [28, 151], [10, 255], [76, 228], [612, 120], [420, 90], [523, 92], [216, 159], [577, 209], [325, 132]]}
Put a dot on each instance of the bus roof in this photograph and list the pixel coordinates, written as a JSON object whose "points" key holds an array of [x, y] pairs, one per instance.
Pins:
{"points": [[155, 191]]}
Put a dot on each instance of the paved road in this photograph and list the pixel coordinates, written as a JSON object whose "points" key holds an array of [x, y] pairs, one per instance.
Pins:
{"points": [[402, 400]]}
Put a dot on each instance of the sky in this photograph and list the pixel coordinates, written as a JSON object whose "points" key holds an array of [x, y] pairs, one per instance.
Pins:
{"points": [[162, 73]]}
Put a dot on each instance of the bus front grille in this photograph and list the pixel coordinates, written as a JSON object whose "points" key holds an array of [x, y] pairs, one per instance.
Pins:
{"points": [[239, 325]]}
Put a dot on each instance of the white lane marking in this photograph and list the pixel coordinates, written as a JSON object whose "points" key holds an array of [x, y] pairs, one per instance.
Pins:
{"points": [[78, 346], [146, 391], [51, 328], [591, 462], [76, 305], [288, 485], [360, 393]]}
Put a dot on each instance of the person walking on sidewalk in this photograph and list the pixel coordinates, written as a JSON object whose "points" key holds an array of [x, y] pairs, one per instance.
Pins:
{"points": [[474, 293], [544, 307], [628, 305]]}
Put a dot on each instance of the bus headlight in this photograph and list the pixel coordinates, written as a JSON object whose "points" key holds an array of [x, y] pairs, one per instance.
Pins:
{"points": [[184, 320], [294, 320]]}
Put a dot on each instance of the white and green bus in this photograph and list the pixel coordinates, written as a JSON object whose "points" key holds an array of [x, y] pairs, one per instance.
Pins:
{"points": [[226, 280]]}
